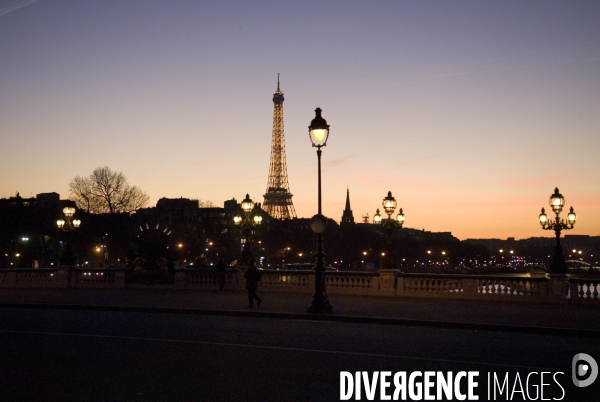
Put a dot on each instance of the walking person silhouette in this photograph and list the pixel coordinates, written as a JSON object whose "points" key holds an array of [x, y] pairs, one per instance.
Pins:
{"points": [[221, 268], [252, 276]]}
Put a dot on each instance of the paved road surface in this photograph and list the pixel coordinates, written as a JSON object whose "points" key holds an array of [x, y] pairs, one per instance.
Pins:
{"points": [[84, 355]]}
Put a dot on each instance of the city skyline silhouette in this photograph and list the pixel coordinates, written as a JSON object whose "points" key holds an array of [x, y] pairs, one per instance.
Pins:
{"points": [[470, 113]]}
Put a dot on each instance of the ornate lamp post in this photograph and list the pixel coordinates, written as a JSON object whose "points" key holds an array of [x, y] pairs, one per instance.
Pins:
{"points": [[68, 224], [557, 201], [247, 223], [318, 131], [389, 205]]}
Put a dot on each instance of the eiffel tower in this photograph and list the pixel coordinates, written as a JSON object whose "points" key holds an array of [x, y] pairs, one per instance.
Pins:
{"points": [[278, 199]]}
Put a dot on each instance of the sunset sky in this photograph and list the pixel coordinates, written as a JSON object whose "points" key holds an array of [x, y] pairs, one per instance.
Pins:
{"points": [[470, 112]]}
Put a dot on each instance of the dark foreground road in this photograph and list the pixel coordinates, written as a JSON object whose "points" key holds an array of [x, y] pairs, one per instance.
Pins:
{"points": [[62, 355]]}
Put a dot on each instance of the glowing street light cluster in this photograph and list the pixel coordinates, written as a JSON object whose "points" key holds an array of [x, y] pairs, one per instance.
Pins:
{"points": [[247, 222], [389, 205], [68, 224], [557, 202]]}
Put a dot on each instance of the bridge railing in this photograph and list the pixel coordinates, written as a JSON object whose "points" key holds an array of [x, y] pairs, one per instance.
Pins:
{"points": [[349, 282], [97, 278], [483, 287], [205, 278], [393, 283], [303, 281], [584, 290], [292, 281], [34, 278]]}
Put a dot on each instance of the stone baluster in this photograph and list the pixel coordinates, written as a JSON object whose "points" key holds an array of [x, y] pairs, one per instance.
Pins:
{"points": [[388, 284]]}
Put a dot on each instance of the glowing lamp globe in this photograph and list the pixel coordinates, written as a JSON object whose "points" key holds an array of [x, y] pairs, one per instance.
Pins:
{"points": [[400, 218], [389, 204], [318, 131], [68, 211], [543, 218], [571, 217], [377, 217], [557, 201], [247, 204]]}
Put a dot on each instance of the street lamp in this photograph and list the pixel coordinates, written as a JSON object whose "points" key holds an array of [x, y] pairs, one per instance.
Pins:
{"points": [[318, 131], [247, 222], [557, 201], [68, 224], [389, 205], [377, 217]]}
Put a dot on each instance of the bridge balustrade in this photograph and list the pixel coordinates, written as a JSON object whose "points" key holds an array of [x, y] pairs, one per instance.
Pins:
{"points": [[584, 290], [392, 283], [97, 278]]}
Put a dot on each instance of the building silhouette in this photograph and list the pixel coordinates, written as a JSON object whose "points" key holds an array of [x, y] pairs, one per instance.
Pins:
{"points": [[347, 216], [278, 199]]}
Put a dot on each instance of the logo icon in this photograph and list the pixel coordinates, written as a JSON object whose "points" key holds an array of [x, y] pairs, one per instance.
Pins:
{"points": [[585, 370]]}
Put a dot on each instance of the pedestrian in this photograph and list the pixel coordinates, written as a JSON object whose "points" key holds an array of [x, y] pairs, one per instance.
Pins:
{"points": [[221, 267], [252, 276]]}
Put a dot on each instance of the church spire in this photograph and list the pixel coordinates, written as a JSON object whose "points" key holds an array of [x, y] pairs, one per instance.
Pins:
{"points": [[347, 199], [347, 216]]}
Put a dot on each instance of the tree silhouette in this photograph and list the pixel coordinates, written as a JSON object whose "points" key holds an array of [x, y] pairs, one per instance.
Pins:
{"points": [[106, 191]]}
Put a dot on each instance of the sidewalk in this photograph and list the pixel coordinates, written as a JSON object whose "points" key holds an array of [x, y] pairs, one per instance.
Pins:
{"points": [[580, 320]]}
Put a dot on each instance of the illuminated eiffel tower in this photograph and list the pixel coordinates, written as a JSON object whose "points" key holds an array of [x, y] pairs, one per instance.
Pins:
{"points": [[278, 199]]}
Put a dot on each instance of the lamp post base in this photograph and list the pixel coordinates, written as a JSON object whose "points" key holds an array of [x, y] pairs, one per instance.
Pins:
{"points": [[558, 265], [67, 257], [320, 306]]}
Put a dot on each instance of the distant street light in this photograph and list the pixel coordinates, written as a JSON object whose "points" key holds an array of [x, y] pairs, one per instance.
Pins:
{"points": [[18, 254], [557, 201], [247, 222], [389, 205], [318, 132], [68, 224]]}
